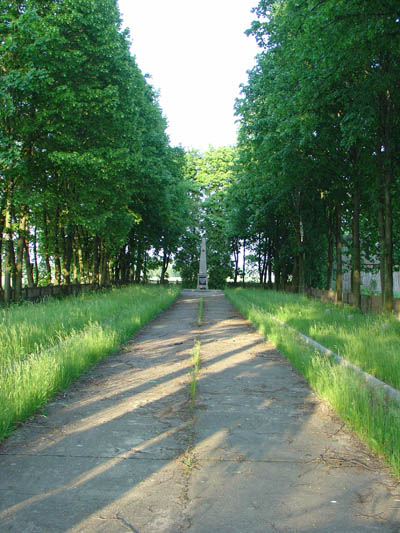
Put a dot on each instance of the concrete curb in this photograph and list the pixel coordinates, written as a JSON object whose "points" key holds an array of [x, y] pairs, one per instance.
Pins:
{"points": [[376, 383]]}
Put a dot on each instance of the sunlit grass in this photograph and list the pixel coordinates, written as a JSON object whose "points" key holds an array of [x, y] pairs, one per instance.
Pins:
{"points": [[375, 418], [371, 342], [44, 347]]}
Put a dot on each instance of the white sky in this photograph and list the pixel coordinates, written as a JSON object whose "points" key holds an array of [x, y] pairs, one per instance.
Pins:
{"points": [[197, 55]]}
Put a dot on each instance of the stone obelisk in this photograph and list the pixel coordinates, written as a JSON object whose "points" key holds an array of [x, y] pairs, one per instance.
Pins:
{"points": [[202, 278]]}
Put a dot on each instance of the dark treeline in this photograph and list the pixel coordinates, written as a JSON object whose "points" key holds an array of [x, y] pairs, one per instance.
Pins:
{"points": [[319, 143], [88, 182]]}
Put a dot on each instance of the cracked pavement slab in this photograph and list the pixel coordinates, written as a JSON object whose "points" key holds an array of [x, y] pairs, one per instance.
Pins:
{"points": [[122, 450], [107, 455]]}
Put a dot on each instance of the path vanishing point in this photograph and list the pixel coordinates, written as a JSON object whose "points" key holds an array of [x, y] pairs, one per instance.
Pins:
{"points": [[122, 449]]}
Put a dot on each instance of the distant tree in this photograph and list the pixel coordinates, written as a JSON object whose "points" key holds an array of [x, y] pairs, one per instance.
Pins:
{"points": [[210, 174]]}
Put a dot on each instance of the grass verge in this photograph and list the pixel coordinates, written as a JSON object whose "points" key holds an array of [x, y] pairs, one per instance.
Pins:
{"points": [[371, 342], [45, 347], [200, 312], [365, 410]]}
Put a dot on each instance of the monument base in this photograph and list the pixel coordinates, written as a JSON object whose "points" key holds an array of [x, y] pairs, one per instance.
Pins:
{"points": [[202, 282]]}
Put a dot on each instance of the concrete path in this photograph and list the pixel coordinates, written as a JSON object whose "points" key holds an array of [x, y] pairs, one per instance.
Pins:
{"points": [[123, 451]]}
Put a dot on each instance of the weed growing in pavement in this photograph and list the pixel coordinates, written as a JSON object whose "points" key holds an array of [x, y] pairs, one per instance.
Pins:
{"points": [[371, 342], [189, 459], [196, 357], [44, 347], [200, 312], [194, 372], [375, 418]]}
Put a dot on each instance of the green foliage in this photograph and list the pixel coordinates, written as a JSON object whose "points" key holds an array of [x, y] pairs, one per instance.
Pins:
{"points": [[209, 175], [318, 126], [87, 173]]}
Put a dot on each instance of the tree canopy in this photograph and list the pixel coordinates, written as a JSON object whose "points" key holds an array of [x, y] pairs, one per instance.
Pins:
{"points": [[319, 137], [91, 190], [89, 184]]}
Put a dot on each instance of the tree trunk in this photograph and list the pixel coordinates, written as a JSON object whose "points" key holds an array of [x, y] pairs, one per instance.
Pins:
{"points": [[67, 254], [276, 254], [144, 275], [388, 264], [132, 253], [46, 249], [8, 264], [387, 131], [118, 266], [339, 264], [381, 226], [80, 265], [57, 266], [330, 259], [79, 259], [12, 255], [268, 274], [1, 261], [164, 267], [265, 267], [236, 260], [295, 275], [20, 258], [138, 268], [356, 259], [35, 258], [244, 262], [124, 269], [103, 266], [96, 262], [260, 264], [28, 265], [284, 276], [57, 251], [277, 274], [75, 268], [2, 222], [388, 213], [301, 272], [86, 251], [110, 271], [301, 249], [139, 261]]}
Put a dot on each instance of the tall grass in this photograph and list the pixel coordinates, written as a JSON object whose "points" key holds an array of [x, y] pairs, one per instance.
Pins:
{"points": [[373, 417], [371, 342], [44, 347]]}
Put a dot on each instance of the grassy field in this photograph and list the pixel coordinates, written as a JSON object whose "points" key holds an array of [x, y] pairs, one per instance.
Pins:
{"points": [[44, 347], [371, 342]]}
